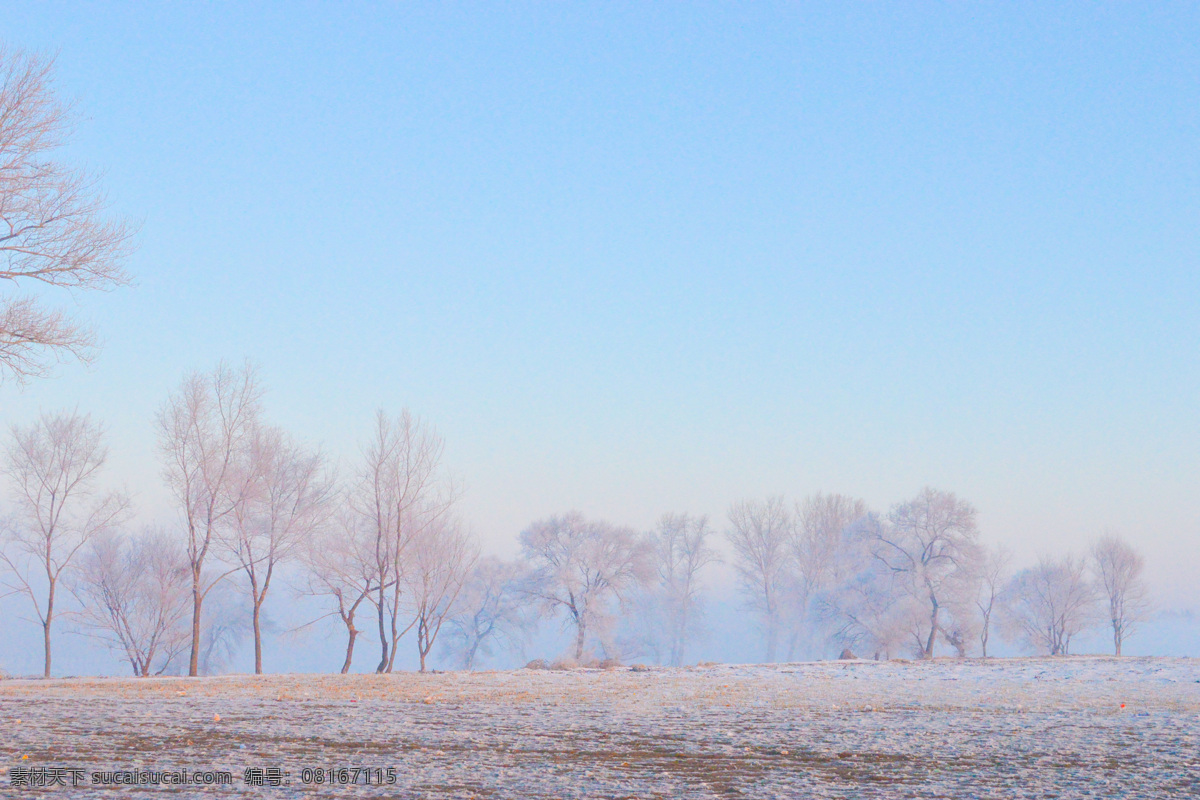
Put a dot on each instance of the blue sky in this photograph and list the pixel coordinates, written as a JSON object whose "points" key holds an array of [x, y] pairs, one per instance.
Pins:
{"points": [[636, 258]]}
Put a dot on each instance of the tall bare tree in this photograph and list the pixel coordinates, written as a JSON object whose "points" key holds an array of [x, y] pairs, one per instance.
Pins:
{"points": [[866, 605], [204, 431], [396, 494], [931, 542], [491, 610], [134, 598], [1052, 602], [54, 230], [1119, 569], [993, 576], [441, 559], [580, 568], [760, 533], [680, 550], [286, 496], [341, 566], [53, 466], [818, 536]]}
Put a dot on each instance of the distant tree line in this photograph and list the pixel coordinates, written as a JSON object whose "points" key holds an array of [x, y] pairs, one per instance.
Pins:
{"points": [[829, 570], [382, 547]]}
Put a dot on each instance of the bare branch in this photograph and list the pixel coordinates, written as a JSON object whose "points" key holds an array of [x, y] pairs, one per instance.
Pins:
{"points": [[53, 225]]}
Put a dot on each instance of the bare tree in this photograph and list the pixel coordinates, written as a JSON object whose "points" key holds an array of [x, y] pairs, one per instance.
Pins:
{"points": [[760, 533], [134, 598], [204, 430], [394, 497], [285, 498], [580, 567], [53, 466], [226, 620], [931, 542], [821, 523], [441, 558], [53, 229], [993, 576], [1119, 569], [961, 625], [341, 566], [490, 609], [866, 605], [1052, 602], [818, 535], [680, 550]]}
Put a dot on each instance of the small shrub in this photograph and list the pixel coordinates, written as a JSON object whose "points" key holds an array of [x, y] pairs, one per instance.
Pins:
{"points": [[537, 663]]}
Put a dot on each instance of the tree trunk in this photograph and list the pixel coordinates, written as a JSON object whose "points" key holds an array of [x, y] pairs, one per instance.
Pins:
{"points": [[677, 646], [46, 644], [772, 637], [423, 645], [383, 641], [986, 632], [470, 660], [580, 634], [933, 632], [257, 637], [197, 601], [391, 659], [1117, 640], [46, 627], [353, 633]]}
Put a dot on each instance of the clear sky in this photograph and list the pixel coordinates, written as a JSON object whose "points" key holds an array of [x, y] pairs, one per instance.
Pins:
{"points": [[636, 258]]}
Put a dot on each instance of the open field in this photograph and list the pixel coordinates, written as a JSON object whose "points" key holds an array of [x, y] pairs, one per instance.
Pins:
{"points": [[996, 728]]}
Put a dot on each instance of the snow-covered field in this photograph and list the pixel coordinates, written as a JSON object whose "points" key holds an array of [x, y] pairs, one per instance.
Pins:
{"points": [[1072, 727]]}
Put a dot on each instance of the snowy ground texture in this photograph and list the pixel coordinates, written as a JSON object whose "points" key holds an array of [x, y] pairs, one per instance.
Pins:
{"points": [[953, 728]]}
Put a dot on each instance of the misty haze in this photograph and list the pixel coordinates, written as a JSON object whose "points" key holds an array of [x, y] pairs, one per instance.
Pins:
{"points": [[594, 401]]}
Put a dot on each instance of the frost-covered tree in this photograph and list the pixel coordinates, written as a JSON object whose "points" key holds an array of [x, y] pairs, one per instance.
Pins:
{"points": [[760, 534], [397, 492], [285, 498], [134, 597], [54, 229], [1118, 568], [53, 466], [582, 568], [205, 429], [491, 611], [679, 550], [817, 537], [993, 576], [930, 545], [440, 559], [341, 568], [1051, 603], [868, 607]]}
